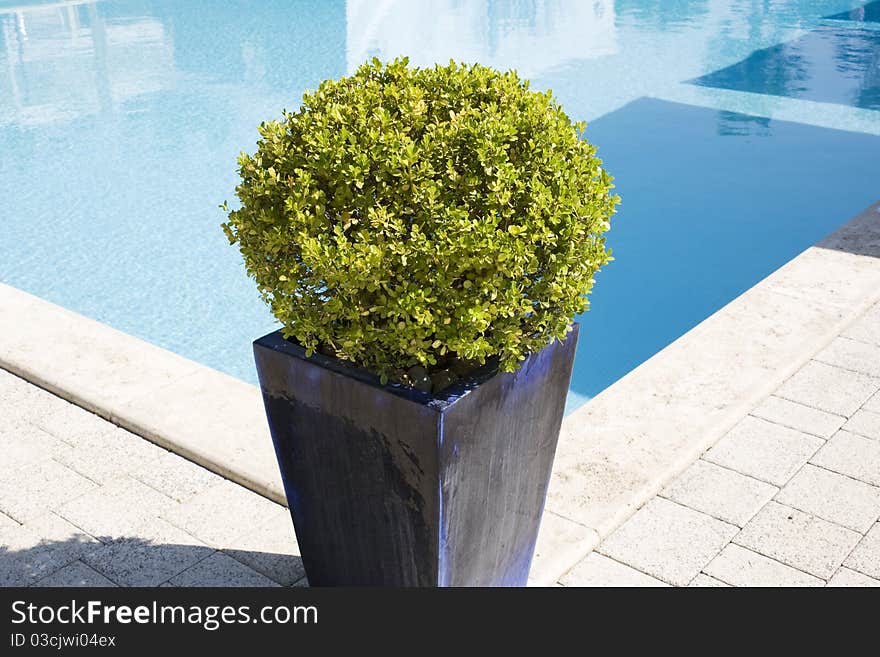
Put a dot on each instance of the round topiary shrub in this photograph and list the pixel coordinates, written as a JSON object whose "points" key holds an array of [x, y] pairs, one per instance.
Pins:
{"points": [[411, 219]]}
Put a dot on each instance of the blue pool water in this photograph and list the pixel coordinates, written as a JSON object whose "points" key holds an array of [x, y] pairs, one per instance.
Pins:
{"points": [[740, 132]]}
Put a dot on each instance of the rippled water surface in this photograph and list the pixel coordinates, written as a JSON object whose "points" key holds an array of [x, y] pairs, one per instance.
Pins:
{"points": [[740, 132]]}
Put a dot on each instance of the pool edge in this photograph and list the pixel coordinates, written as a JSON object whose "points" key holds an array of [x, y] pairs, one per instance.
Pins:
{"points": [[615, 452]]}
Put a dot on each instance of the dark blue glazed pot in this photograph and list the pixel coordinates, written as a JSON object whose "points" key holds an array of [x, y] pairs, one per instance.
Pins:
{"points": [[389, 486]]}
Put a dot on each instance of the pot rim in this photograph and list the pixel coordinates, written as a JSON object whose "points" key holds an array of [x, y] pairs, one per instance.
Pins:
{"points": [[443, 399]]}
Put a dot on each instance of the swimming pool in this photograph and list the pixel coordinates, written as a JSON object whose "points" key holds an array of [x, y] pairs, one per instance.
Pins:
{"points": [[739, 133]]}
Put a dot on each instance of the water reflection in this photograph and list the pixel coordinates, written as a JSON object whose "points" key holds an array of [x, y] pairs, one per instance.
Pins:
{"points": [[133, 112], [830, 64], [66, 60], [530, 36], [867, 13], [734, 124], [664, 14]]}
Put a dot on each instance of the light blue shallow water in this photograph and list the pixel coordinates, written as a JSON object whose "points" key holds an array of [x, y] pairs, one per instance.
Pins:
{"points": [[120, 122]]}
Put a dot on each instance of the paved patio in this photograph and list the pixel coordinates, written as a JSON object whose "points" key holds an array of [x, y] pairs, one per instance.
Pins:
{"points": [[85, 503], [790, 496]]}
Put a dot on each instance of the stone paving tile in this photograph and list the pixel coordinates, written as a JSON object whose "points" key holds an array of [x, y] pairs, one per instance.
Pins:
{"points": [[669, 541], [176, 477], [40, 547], [116, 508], [22, 560], [864, 423], [6, 522], [833, 497], [33, 489], [873, 404], [866, 557], [866, 329], [798, 539], [764, 450], [224, 512], [852, 455], [599, 570], [29, 444], [148, 555], [829, 388], [738, 566], [703, 581], [220, 570], [852, 355], [797, 416], [561, 544], [269, 548], [109, 455], [70, 423], [847, 577], [722, 493], [75, 574], [27, 401]]}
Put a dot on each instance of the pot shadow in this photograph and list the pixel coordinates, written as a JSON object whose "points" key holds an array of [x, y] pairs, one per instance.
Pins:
{"points": [[130, 561]]}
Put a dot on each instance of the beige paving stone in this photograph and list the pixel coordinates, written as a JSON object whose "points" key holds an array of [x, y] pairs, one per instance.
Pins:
{"points": [[269, 548], [866, 557], [111, 454], [619, 450], [719, 492], [738, 566], [221, 570], [215, 420], [852, 455], [98, 366], [851, 578], [22, 558], [71, 423], [764, 450], [704, 581], [798, 539], [669, 541], [7, 522], [224, 512], [27, 444], [852, 355], [9, 381], [832, 274], [561, 543], [40, 547], [833, 497], [873, 404], [828, 388], [23, 401], [797, 416], [175, 476], [117, 508], [134, 560], [866, 329], [599, 570], [864, 423], [32, 490], [55, 529], [75, 574]]}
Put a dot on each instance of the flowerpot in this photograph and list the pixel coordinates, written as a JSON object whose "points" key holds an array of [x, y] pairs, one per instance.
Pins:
{"points": [[389, 486]]}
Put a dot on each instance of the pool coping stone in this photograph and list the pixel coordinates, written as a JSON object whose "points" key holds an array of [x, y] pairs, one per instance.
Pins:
{"points": [[615, 453]]}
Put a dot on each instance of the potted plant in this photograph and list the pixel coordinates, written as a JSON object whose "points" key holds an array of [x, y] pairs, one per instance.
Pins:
{"points": [[425, 237]]}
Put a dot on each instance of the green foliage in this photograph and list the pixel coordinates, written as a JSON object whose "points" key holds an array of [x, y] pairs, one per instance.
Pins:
{"points": [[403, 215]]}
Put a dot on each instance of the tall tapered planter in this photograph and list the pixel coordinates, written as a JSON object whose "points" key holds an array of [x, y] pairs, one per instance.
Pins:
{"points": [[388, 486]]}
